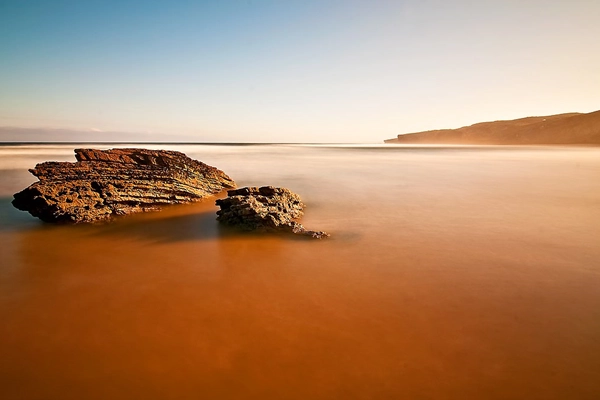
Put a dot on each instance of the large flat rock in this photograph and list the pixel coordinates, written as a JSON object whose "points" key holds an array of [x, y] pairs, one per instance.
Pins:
{"points": [[104, 183]]}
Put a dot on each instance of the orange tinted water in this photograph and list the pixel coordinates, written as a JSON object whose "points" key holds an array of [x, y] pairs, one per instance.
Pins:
{"points": [[451, 273]]}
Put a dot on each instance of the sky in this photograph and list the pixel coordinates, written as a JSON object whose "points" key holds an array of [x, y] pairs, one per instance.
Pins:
{"points": [[293, 70]]}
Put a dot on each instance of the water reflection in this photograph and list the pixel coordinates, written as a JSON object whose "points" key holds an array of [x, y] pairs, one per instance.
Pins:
{"points": [[449, 275], [12, 219]]}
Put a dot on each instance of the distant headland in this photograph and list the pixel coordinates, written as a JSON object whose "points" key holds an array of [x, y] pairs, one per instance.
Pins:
{"points": [[571, 128]]}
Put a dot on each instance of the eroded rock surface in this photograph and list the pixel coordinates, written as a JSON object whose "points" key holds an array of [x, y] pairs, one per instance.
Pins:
{"points": [[267, 209], [103, 183]]}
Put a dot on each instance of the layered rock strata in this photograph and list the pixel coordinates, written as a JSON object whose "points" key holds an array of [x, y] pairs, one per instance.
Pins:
{"points": [[104, 183], [266, 209]]}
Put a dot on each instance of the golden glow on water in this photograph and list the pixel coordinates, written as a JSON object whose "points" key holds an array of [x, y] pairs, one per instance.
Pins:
{"points": [[449, 275]]}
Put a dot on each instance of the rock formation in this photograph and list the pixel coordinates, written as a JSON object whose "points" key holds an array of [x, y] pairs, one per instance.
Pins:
{"points": [[103, 183], [572, 128], [266, 209]]}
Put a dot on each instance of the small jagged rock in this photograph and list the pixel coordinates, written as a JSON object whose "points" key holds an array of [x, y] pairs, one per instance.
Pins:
{"points": [[103, 183], [265, 209]]}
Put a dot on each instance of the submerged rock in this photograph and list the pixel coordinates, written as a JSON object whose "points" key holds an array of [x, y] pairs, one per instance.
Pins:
{"points": [[103, 183], [266, 209]]}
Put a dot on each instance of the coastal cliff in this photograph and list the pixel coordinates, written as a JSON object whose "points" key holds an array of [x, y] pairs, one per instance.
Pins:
{"points": [[572, 128]]}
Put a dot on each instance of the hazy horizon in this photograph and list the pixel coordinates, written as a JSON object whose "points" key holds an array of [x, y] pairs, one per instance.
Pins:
{"points": [[296, 71]]}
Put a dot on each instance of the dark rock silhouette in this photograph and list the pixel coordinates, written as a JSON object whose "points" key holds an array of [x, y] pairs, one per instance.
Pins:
{"points": [[266, 209], [103, 183]]}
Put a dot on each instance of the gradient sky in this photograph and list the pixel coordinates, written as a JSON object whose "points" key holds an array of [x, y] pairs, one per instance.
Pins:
{"points": [[293, 71]]}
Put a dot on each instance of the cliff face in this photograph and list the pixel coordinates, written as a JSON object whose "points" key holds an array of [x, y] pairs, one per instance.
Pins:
{"points": [[571, 128], [103, 183]]}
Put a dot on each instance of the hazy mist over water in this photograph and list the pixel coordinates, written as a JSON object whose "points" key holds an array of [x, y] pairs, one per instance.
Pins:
{"points": [[452, 272]]}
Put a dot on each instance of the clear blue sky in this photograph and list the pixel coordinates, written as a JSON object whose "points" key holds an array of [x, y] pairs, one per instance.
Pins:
{"points": [[293, 71]]}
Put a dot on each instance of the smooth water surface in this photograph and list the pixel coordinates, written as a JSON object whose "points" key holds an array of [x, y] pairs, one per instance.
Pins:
{"points": [[451, 273]]}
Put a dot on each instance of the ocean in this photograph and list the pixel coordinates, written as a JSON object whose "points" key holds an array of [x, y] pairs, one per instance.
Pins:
{"points": [[452, 272]]}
